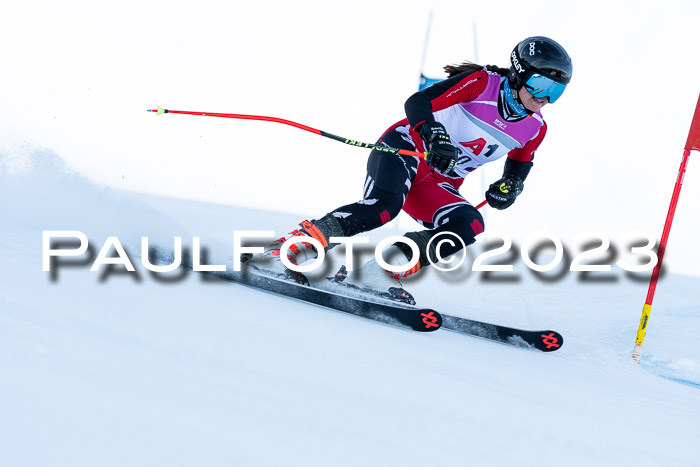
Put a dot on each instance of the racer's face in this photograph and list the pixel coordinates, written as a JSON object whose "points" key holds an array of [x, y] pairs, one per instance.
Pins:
{"points": [[531, 103]]}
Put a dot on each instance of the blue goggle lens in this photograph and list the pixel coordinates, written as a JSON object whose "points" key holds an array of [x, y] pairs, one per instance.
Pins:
{"points": [[540, 86]]}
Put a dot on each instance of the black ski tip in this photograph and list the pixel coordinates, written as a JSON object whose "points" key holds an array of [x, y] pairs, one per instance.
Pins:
{"points": [[427, 321], [548, 341]]}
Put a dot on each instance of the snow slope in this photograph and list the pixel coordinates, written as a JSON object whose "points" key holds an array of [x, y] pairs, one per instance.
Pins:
{"points": [[114, 368]]}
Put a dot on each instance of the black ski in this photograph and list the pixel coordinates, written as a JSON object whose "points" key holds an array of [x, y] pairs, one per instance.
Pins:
{"points": [[418, 319], [406, 316], [546, 341]]}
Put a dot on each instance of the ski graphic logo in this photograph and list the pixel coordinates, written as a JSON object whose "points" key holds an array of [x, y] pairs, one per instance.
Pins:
{"points": [[550, 340], [430, 320]]}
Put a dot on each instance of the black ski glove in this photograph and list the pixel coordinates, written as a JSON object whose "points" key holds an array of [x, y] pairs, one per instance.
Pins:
{"points": [[441, 154], [502, 193]]}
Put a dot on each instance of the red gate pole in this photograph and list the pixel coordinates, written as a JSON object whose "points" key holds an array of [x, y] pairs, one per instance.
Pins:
{"points": [[693, 143]]}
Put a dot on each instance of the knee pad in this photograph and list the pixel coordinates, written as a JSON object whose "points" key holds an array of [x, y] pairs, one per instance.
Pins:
{"points": [[466, 228]]}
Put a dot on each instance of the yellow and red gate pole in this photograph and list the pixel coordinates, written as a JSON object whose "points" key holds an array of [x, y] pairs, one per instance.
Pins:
{"points": [[693, 143]]}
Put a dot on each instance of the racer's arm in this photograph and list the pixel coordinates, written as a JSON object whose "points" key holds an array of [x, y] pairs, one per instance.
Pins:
{"points": [[519, 161], [464, 87]]}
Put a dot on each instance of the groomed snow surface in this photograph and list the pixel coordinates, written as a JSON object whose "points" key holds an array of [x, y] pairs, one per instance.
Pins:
{"points": [[111, 368]]}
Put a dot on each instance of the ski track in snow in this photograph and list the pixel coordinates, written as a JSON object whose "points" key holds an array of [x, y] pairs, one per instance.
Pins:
{"points": [[114, 368]]}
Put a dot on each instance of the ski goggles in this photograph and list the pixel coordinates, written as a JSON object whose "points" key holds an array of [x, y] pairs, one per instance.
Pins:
{"points": [[541, 86]]}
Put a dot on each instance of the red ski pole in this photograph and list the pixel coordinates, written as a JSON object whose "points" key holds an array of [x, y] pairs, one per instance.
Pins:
{"points": [[403, 152], [693, 143], [351, 142]]}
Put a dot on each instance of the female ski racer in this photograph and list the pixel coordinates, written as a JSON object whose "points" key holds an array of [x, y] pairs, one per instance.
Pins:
{"points": [[477, 115]]}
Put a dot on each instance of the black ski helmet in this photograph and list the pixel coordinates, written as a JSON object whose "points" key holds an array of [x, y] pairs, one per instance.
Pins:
{"points": [[540, 55]]}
